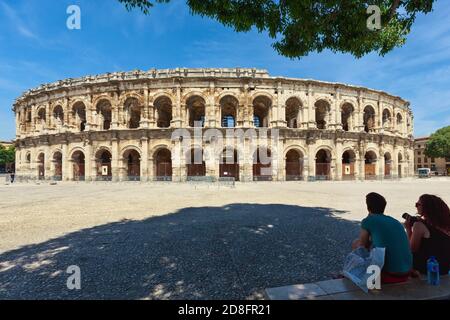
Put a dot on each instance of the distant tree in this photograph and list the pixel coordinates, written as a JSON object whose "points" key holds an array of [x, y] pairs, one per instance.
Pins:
{"points": [[7, 155], [303, 26], [439, 144]]}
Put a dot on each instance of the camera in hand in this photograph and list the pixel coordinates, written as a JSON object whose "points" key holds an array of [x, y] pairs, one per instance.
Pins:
{"points": [[409, 217]]}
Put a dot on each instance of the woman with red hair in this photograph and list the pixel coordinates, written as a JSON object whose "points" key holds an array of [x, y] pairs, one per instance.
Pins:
{"points": [[430, 234]]}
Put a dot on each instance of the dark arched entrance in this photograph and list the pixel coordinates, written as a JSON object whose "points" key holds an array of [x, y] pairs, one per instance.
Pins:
{"points": [[229, 164], [163, 165], [294, 165], [41, 166], [195, 164], [370, 165], [323, 165], [132, 161], [78, 166], [103, 164], [262, 165], [348, 165], [57, 163]]}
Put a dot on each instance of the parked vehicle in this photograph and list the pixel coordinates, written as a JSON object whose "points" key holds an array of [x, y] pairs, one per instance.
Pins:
{"points": [[424, 172]]}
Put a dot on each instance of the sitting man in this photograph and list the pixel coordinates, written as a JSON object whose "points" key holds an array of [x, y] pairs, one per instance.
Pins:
{"points": [[379, 230]]}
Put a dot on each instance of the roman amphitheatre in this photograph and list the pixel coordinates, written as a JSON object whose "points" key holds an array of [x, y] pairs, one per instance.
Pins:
{"points": [[120, 126]]}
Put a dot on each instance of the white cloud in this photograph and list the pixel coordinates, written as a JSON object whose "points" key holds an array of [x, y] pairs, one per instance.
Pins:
{"points": [[17, 22]]}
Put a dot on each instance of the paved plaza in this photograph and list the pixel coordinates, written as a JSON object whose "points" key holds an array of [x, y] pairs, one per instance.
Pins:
{"points": [[184, 241]]}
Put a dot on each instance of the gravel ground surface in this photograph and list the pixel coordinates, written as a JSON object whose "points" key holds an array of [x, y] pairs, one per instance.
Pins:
{"points": [[179, 241]]}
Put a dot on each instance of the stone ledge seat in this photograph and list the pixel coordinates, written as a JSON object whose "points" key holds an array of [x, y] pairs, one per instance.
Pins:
{"points": [[344, 289]]}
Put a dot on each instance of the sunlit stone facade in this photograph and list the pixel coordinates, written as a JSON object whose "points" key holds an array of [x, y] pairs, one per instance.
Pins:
{"points": [[120, 126]]}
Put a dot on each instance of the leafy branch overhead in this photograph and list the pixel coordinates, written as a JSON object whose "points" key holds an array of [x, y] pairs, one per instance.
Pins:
{"points": [[299, 27]]}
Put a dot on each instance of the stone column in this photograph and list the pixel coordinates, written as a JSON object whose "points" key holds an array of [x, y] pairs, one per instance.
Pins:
{"points": [[65, 158], [152, 115], [338, 149], [311, 110], [144, 122], [359, 126], [47, 163], [311, 160], [144, 160], [381, 163], [116, 113], [338, 117], [115, 161], [178, 162], [89, 162], [177, 112]]}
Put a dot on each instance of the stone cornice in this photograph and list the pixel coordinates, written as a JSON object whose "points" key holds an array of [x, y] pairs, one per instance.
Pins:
{"points": [[180, 74]]}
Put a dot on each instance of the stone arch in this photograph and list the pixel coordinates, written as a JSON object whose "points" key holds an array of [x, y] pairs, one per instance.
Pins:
{"points": [[386, 118], [227, 93], [262, 163], [168, 94], [131, 95], [101, 97], [195, 162], [162, 157], [190, 94], [294, 164], [229, 163], [196, 110], [348, 164], [229, 105], [57, 164], [103, 159], [323, 160], [79, 115], [41, 117], [262, 106], [131, 147], [131, 159], [58, 115], [27, 158], [41, 113], [163, 107], [40, 159], [104, 111], [262, 94], [369, 116], [387, 164], [322, 108], [293, 109], [370, 164], [78, 159], [347, 112], [132, 108]]}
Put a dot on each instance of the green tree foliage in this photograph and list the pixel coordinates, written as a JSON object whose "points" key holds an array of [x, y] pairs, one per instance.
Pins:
{"points": [[299, 27], [7, 155], [439, 144]]}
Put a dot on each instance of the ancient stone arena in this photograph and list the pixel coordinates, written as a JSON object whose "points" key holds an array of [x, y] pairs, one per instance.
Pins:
{"points": [[167, 240], [189, 124]]}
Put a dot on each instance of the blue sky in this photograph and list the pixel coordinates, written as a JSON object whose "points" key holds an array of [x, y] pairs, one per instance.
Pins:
{"points": [[36, 47]]}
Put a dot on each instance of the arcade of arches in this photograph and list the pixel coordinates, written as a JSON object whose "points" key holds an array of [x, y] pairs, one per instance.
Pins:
{"points": [[118, 126], [293, 163]]}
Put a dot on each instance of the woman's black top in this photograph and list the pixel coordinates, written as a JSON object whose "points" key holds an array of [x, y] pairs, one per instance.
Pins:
{"points": [[437, 245]]}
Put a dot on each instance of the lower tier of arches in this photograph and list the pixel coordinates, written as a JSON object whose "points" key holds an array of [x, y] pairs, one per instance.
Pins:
{"points": [[167, 161]]}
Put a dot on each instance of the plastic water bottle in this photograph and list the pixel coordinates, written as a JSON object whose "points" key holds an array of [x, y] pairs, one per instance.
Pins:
{"points": [[432, 271]]}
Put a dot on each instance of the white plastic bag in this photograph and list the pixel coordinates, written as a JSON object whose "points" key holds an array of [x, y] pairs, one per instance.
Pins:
{"points": [[357, 262]]}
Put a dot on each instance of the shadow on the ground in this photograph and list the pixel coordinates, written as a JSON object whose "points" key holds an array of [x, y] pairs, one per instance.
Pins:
{"points": [[229, 252]]}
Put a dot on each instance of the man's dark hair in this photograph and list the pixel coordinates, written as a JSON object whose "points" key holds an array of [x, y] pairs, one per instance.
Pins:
{"points": [[376, 203]]}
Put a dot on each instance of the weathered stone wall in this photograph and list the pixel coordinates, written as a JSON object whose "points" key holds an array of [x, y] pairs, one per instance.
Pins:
{"points": [[140, 111]]}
